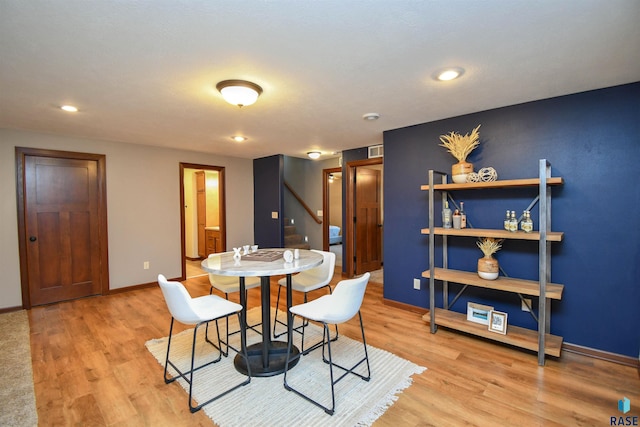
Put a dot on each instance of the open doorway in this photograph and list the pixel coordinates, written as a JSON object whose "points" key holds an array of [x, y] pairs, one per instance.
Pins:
{"points": [[332, 227], [203, 222]]}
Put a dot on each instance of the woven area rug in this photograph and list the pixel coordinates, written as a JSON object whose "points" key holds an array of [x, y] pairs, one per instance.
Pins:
{"points": [[17, 401], [265, 402]]}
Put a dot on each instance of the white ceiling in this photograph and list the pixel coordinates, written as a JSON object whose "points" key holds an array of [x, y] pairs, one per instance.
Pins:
{"points": [[145, 71]]}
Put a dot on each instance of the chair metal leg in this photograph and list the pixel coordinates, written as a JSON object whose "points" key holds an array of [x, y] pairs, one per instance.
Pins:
{"points": [[253, 327], [181, 374], [275, 319], [189, 375], [326, 341], [299, 329], [366, 377]]}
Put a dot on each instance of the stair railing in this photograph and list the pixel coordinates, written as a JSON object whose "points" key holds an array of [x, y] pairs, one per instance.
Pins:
{"points": [[304, 205]]}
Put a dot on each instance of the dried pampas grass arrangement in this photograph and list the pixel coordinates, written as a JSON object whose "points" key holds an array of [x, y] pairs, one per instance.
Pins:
{"points": [[489, 246], [461, 145]]}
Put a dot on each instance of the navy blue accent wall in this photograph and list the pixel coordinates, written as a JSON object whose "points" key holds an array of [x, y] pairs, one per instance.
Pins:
{"points": [[592, 140], [268, 179]]}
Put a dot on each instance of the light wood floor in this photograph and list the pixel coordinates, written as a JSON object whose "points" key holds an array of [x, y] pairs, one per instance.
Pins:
{"points": [[194, 269], [91, 368]]}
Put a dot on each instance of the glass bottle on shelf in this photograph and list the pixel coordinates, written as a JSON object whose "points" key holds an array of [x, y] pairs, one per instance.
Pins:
{"points": [[456, 219], [513, 222], [446, 215], [463, 216], [507, 220], [527, 223]]}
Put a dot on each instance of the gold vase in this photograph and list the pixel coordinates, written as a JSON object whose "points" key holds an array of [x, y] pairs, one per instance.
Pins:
{"points": [[460, 170], [488, 268]]}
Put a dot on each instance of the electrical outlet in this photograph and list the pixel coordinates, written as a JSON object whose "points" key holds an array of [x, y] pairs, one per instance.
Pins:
{"points": [[524, 306], [145, 265], [416, 284]]}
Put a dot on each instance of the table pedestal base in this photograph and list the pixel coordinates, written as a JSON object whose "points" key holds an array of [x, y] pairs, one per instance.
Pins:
{"points": [[277, 359]]}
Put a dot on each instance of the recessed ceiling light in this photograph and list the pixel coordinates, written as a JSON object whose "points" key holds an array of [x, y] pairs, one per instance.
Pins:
{"points": [[314, 154], [449, 74], [371, 116], [69, 108], [238, 138]]}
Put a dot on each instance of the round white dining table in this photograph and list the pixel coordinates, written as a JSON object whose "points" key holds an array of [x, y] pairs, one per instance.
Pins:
{"points": [[268, 357]]}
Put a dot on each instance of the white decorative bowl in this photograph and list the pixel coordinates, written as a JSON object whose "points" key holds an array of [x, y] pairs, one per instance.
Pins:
{"points": [[488, 276], [460, 178]]}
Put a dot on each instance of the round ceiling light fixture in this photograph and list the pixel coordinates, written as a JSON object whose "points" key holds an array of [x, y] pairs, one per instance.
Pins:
{"points": [[239, 92], [69, 108], [239, 138], [447, 74], [371, 116], [314, 154]]}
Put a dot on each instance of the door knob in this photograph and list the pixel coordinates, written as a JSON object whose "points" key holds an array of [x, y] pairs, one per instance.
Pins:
{"points": [[33, 238]]}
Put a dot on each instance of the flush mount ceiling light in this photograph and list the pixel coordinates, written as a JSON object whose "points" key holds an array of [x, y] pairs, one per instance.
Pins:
{"points": [[238, 138], [447, 74], [371, 116], [69, 108], [239, 92], [314, 154]]}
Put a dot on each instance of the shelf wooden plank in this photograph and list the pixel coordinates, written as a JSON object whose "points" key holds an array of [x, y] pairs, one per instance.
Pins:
{"points": [[507, 284], [516, 336], [552, 236], [506, 183]]}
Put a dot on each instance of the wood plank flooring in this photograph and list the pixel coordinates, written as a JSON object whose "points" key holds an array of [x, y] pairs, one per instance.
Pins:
{"points": [[91, 368]]}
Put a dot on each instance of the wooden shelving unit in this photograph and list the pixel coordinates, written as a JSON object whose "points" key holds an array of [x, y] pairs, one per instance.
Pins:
{"points": [[552, 236], [516, 336], [507, 183], [507, 284], [539, 340]]}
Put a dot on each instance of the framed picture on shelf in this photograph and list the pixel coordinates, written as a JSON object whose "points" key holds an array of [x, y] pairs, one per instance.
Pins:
{"points": [[498, 322], [478, 313]]}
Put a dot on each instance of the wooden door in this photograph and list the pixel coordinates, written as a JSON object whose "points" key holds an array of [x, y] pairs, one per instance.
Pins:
{"points": [[63, 227], [368, 226]]}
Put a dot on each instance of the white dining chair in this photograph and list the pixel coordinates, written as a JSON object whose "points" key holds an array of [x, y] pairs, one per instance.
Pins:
{"points": [[228, 285], [339, 307], [305, 282], [197, 311]]}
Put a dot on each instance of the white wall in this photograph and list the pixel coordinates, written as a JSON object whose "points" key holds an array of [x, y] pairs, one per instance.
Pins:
{"points": [[143, 206]]}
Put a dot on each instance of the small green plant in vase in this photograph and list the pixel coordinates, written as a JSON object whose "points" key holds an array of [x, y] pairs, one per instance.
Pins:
{"points": [[488, 267], [460, 146]]}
